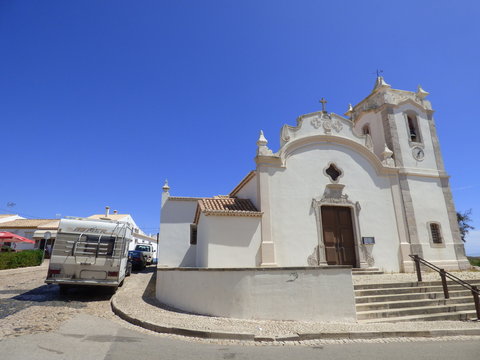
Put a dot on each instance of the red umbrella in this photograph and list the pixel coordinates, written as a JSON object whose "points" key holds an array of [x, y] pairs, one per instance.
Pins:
{"points": [[6, 236]]}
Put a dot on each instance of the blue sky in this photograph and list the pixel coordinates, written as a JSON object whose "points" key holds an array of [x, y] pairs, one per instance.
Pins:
{"points": [[100, 101]]}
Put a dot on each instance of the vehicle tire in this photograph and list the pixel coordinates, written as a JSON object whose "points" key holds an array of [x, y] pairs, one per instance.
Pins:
{"points": [[121, 283]]}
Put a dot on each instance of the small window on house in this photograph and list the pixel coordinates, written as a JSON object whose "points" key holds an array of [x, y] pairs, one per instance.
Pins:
{"points": [[413, 132], [366, 130], [193, 234], [333, 172], [436, 234]]}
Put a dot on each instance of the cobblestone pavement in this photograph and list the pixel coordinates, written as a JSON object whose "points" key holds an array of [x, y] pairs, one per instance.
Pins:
{"points": [[28, 305]]}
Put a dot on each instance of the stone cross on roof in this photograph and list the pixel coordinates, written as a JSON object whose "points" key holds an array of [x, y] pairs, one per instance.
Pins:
{"points": [[323, 101]]}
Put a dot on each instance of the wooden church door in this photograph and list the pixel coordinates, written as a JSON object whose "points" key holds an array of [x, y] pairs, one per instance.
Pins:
{"points": [[338, 235]]}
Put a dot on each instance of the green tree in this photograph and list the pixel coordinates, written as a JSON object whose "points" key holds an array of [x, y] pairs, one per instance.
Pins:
{"points": [[464, 221]]}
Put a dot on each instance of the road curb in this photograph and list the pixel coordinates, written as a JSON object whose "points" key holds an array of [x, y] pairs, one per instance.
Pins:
{"points": [[204, 334], [353, 335]]}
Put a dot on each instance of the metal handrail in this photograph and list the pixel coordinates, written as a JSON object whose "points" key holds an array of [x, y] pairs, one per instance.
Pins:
{"points": [[444, 275]]}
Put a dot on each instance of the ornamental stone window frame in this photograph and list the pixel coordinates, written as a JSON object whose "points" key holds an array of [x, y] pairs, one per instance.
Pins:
{"points": [[430, 235]]}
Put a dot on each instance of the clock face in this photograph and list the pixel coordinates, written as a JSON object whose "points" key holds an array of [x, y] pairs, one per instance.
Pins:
{"points": [[418, 153]]}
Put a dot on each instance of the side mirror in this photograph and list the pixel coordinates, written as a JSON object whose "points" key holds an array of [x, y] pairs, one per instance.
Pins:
{"points": [[154, 250]]}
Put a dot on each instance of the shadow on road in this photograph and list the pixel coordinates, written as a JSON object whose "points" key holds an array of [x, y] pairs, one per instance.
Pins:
{"points": [[50, 296]]}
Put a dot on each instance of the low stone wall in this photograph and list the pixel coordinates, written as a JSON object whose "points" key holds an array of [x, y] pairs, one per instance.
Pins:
{"points": [[293, 293]]}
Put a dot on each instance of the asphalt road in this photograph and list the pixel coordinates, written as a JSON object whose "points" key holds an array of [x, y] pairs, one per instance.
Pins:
{"points": [[89, 337]]}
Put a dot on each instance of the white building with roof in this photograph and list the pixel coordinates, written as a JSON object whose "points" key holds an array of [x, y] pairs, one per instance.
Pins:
{"points": [[9, 217], [139, 237], [366, 190], [33, 229]]}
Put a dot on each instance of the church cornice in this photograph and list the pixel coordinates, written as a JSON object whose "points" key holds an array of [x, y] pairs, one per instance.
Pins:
{"points": [[425, 173], [384, 98]]}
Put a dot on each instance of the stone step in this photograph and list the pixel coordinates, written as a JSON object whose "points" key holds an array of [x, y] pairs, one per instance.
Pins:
{"points": [[406, 290], [363, 273], [451, 316], [408, 284], [412, 303], [420, 310], [413, 296], [365, 269]]}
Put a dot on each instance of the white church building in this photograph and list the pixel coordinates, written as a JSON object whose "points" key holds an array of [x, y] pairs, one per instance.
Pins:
{"points": [[365, 190], [362, 190]]}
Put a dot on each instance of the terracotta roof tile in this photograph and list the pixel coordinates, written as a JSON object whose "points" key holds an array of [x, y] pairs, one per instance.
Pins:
{"points": [[227, 204], [25, 223], [50, 225], [223, 205]]}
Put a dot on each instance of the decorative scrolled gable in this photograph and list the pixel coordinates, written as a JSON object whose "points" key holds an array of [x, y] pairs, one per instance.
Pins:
{"points": [[319, 123]]}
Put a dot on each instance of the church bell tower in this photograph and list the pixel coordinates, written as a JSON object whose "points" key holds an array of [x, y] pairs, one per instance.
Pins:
{"points": [[402, 122]]}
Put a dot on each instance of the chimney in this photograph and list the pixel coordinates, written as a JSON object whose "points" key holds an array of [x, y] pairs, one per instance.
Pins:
{"points": [[115, 212], [107, 211]]}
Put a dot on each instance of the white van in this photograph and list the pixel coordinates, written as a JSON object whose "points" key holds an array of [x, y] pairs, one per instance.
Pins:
{"points": [[90, 252]]}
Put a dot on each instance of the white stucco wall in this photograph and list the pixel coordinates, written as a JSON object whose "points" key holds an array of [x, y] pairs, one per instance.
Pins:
{"points": [[377, 132], [228, 241], [428, 209], [174, 247], [294, 227], [249, 191], [315, 294]]}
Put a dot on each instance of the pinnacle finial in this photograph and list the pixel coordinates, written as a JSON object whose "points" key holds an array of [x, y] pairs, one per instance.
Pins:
{"points": [[165, 187], [380, 83], [349, 111], [422, 94], [262, 141], [387, 153]]}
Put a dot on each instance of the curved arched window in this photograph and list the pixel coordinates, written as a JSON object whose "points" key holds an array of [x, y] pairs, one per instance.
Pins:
{"points": [[366, 129]]}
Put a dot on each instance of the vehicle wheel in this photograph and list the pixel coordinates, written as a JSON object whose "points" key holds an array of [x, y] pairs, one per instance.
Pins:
{"points": [[121, 283]]}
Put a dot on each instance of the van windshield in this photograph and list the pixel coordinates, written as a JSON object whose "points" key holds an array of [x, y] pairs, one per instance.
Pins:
{"points": [[142, 248]]}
